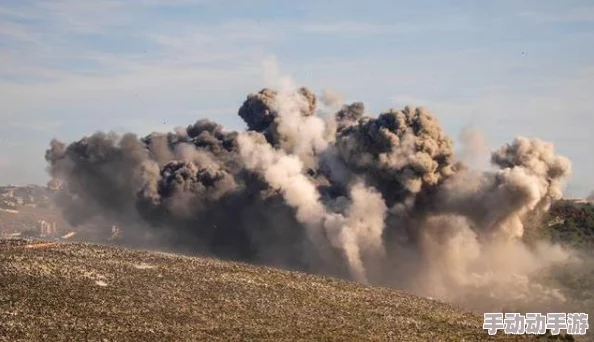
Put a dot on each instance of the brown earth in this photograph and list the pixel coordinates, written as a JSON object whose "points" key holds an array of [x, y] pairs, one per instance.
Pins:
{"points": [[74, 292]]}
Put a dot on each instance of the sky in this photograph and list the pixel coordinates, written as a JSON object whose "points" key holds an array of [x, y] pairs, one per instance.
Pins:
{"points": [[507, 68]]}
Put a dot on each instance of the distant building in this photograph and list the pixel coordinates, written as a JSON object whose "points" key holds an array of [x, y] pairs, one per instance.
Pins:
{"points": [[9, 193], [55, 184], [115, 232], [46, 228]]}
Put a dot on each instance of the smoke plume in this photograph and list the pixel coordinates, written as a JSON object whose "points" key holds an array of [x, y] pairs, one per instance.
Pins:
{"points": [[379, 200]]}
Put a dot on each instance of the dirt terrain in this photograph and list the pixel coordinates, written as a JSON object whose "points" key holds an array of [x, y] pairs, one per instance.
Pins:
{"points": [[73, 292]]}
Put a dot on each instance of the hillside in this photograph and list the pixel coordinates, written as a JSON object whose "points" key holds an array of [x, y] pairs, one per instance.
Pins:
{"points": [[34, 196], [30, 211], [64, 292], [176, 291], [572, 222]]}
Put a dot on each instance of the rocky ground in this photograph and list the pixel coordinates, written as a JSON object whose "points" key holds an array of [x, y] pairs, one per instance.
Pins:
{"points": [[75, 292]]}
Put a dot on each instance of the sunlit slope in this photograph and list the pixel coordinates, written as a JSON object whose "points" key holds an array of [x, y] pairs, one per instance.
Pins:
{"points": [[73, 292]]}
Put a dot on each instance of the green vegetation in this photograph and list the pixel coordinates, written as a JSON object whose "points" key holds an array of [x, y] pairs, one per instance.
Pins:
{"points": [[572, 224]]}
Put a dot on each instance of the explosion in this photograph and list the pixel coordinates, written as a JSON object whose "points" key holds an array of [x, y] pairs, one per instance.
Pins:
{"points": [[378, 200]]}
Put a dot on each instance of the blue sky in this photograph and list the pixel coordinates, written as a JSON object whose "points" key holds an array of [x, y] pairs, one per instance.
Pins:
{"points": [[507, 67]]}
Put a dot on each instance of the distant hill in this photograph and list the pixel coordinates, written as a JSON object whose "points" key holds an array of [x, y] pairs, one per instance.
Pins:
{"points": [[30, 211], [572, 222], [32, 196]]}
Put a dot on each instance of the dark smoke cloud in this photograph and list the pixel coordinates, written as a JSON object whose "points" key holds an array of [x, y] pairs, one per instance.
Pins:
{"points": [[261, 112], [349, 115], [402, 153], [376, 199]]}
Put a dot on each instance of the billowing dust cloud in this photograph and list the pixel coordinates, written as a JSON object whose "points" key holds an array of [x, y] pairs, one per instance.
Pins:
{"points": [[321, 186]]}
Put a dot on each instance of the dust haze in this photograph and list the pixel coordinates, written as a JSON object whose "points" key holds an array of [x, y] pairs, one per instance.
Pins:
{"points": [[323, 186]]}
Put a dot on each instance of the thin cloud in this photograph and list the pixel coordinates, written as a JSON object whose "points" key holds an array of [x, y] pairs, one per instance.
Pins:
{"points": [[369, 28], [566, 14], [348, 27], [233, 32], [59, 66], [16, 32]]}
